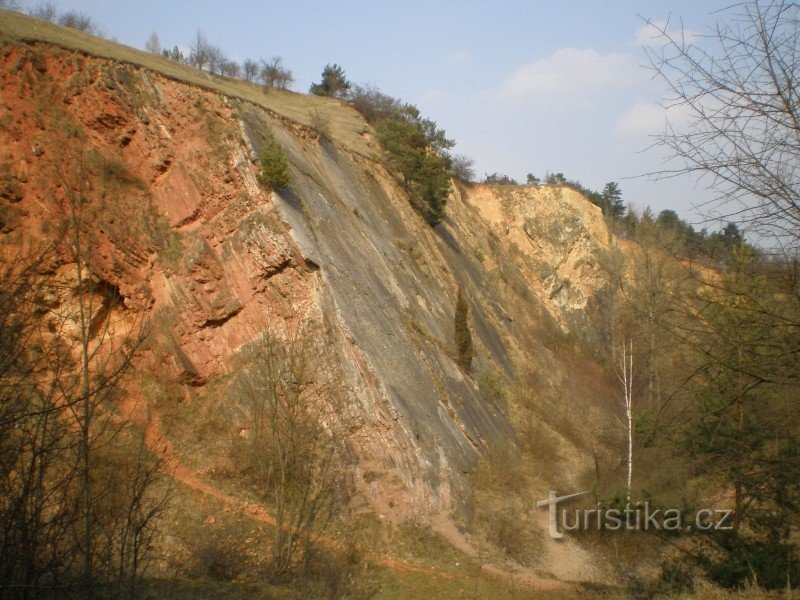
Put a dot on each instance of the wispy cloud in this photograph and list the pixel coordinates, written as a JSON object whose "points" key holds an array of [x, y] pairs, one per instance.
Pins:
{"points": [[570, 79]]}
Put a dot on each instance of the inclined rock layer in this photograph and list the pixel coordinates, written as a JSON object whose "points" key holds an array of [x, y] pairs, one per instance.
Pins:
{"points": [[184, 235]]}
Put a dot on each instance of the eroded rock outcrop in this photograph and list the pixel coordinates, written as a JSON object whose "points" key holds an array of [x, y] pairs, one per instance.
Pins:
{"points": [[185, 236]]}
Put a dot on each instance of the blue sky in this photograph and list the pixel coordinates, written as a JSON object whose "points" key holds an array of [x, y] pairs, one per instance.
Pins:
{"points": [[521, 86]]}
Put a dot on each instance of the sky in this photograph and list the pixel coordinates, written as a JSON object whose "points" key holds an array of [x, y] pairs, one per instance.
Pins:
{"points": [[522, 86]]}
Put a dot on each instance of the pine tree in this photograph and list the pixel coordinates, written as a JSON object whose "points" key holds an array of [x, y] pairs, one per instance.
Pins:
{"points": [[463, 337], [333, 84]]}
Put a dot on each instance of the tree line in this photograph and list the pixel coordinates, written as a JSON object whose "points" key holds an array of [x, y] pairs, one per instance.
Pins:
{"points": [[715, 346]]}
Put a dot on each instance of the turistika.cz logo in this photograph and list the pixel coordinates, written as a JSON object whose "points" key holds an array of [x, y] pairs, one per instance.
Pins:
{"points": [[638, 517]]}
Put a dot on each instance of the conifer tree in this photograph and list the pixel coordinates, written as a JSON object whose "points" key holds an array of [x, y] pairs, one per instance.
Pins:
{"points": [[463, 337]]}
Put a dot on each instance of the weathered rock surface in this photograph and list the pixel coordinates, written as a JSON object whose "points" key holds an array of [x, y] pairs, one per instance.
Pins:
{"points": [[187, 238]]}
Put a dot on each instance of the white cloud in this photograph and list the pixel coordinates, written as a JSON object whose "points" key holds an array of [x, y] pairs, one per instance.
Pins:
{"points": [[650, 34], [569, 79], [649, 118]]}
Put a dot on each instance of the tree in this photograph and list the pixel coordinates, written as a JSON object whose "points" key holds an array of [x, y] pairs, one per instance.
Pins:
{"points": [[229, 68], [274, 171], [531, 179], [614, 207], [461, 166], [199, 51], [290, 389], [462, 335], [555, 179], [417, 148], [174, 54], [76, 505], [740, 89], [153, 44], [216, 58], [333, 84], [275, 75], [46, 11], [625, 376], [250, 70], [499, 179], [80, 21], [372, 103]]}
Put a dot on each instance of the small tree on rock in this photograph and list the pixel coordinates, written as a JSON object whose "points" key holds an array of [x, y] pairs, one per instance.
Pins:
{"points": [[463, 336]]}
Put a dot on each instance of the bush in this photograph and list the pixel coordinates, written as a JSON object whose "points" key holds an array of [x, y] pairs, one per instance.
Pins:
{"points": [[373, 104], [461, 168], [217, 558], [274, 172], [499, 179], [321, 123]]}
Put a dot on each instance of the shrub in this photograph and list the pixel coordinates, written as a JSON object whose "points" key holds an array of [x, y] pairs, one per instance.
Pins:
{"points": [[218, 558], [461, 168], [321, 123], [373, 104], [499, 179], [274, 172]]}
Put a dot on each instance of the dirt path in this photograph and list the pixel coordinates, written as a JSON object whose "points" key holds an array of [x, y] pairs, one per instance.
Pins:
{"points": [[524, 576]]}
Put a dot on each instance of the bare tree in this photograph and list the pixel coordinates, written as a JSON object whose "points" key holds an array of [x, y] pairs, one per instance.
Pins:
{"points": [[199, 51], [372, 103], [250, 70], [290, 389], [461, 166], [229, 68], [216, 58], [275, 75], [740, 88], [153, 44], [625, 375], [46, 11], [38, 462], [80, 21]]}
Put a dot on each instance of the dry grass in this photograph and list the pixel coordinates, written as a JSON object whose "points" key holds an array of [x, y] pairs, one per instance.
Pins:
{"points": [[344, 122]]}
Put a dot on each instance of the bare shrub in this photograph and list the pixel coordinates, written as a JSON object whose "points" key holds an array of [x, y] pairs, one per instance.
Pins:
{"points": [[461, 166], [290, 389], [46, 11], [80, 21], [321, 123], [372, 103], [217, 557]]}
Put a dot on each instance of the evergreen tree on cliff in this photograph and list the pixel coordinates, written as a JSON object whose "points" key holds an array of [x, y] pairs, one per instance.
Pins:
{"points": [[333, 84], [463, 337]]}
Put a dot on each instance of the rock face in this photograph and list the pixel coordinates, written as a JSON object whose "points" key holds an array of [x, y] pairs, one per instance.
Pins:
{"points": [[561, 235], [186, 237]]}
